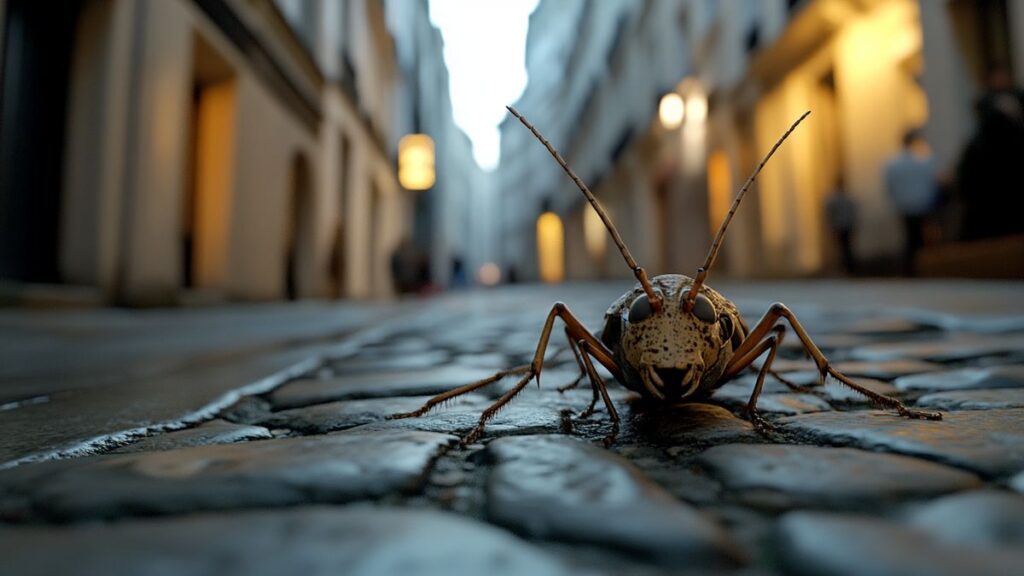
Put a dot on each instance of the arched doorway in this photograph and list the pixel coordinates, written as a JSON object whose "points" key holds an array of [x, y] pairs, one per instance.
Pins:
{"points": [[298, 243]]}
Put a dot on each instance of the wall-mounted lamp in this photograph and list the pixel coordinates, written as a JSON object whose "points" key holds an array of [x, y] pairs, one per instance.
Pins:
{"points": [[416, 162]]}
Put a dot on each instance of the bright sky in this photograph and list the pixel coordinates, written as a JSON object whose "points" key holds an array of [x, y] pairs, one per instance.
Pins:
{"points": [[485, 50]]}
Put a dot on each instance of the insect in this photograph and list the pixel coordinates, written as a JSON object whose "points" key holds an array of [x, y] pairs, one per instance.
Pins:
{"points": [[671, 338]]}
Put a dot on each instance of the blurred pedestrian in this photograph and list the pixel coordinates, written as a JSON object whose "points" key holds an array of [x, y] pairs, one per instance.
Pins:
{"points": [[459, 279], [404, 267], [910, 181], [990, 173], [841, 211]]}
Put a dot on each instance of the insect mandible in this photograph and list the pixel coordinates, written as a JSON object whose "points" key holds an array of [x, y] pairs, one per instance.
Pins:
{"points": [[671, 338]]}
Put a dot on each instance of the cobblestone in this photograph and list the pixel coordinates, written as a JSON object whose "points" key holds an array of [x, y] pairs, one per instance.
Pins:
{"points": [[335, 468], [990, 442], [980, 517], [1010, 376], [384, 384], [311, 541], [212, 432], [562, 488], [829, 543], [974, 399], [309, 475], [782, 477]]}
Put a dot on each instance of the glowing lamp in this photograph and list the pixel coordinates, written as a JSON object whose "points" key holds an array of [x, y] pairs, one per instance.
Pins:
{"points": [[671, 110], [416, 162]]}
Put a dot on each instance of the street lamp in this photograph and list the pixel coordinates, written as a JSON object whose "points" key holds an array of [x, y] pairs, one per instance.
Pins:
{"points": [[416, 162], [671, 110]]}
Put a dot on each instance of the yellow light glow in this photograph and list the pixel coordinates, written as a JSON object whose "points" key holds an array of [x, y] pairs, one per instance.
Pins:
{"points": [[595, 237], [671, 110], [416, 162], [719, 188], [489, 274], [696, 108], [550, 247]]}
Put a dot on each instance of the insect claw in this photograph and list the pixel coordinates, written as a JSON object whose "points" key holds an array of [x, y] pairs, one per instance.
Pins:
{"points": [[401, 415], [611, 437], [921, 414]]}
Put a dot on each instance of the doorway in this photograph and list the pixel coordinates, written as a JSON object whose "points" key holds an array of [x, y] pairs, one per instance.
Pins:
{"points": [[38, 39], [208, 191], [297, 232]]}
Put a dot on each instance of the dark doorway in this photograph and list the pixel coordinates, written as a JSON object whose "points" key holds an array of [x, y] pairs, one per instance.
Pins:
{"points": [[297, 219], [38, 37], [338, 262]]}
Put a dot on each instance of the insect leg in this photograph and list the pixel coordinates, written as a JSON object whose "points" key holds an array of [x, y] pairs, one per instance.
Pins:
{"points": [[579, 362], [771, 344], [464, 389], [599, 386], [779, 311], [576, 331]]}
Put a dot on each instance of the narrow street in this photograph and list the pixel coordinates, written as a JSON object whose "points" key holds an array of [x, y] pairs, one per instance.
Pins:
{"points": [[266, 426]]}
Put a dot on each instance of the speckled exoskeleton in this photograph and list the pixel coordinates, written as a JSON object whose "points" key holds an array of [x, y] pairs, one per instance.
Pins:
{"points": [[671, 339]]}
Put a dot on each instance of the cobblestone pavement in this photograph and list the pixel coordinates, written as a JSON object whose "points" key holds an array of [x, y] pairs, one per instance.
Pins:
{"points": [[311, 478]]}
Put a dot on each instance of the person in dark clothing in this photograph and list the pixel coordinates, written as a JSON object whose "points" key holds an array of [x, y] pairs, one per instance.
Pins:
{"points": [[842, 216], [990, 174], [910, 181]]}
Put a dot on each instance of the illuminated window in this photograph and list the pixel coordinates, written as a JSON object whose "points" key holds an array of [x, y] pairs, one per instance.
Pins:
{"points": [[550, 247], [719, 188]]}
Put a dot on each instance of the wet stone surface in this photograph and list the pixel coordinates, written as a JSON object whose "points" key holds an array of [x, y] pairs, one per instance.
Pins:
{"points": [[340, 467], [974, 399], [990, 442], [562, 488], [1009, 376], [313, 477], [311, 540], [830, 543], [383, 384], [823, 477], [212, 432]]}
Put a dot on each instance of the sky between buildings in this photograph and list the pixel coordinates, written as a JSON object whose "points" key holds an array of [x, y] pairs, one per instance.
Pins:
{"points": [[484, 49]]}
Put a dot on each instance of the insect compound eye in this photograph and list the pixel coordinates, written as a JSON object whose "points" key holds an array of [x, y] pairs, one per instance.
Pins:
{"points": [[725, 323], [703, 309], [641, 309]]}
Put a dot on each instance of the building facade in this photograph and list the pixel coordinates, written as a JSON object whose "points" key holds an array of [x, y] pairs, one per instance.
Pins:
{"points": [[452, 219], [178, 151], [745, 69]]}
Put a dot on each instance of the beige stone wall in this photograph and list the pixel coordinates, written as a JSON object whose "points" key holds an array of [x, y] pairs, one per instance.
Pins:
{"points": [[131, 159]]}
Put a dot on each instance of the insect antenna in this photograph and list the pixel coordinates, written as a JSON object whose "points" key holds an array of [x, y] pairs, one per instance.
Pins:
{"points": [[702, 272], [638, 271]]}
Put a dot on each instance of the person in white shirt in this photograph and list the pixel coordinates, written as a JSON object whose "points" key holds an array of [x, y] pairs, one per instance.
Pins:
{"points": [[910, 181]]}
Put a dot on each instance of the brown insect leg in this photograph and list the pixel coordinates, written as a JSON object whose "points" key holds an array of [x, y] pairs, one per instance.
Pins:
{"points": [[599, 386], [464, 389], [771, 344], [491, 410], [576, 332], [778, 311], [579, 362]]}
